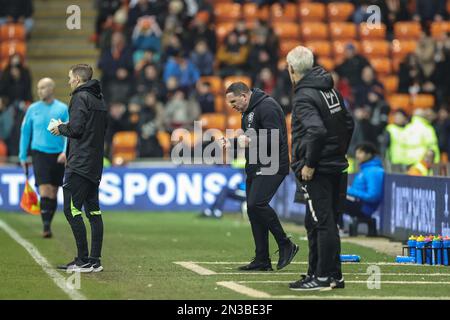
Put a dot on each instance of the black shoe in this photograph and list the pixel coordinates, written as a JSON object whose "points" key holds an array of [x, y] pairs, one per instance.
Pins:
{"points": [[96, 265], [303, 278], [338, 284], [257, 266], [47, 235], [77, 265], [314, 284], [287, 253]]}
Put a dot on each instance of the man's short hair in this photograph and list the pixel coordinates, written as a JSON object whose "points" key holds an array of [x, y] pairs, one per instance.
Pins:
{"points": [[367, 147], [237, 88], [84, 71], [301, 59]]}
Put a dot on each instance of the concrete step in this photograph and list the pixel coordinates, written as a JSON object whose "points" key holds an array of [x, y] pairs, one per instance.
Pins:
{"points": [[63, 4], [60, 13]]}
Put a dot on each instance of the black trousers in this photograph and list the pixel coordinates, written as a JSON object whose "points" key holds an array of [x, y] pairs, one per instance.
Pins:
{"points": [[323, 198], [80, 192], [353, 209], [260, 190]]}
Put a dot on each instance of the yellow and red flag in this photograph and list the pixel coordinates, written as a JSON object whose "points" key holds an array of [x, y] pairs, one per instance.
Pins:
{"points": [[29, 201]]}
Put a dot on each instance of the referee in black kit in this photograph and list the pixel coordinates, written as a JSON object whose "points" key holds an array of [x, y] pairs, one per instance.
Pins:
{"points": [[260, 111], [321, 132], [86, 132]]}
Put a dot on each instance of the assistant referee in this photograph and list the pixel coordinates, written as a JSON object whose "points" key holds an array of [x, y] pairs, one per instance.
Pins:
{"points": [[47, 151], [86, 132]]}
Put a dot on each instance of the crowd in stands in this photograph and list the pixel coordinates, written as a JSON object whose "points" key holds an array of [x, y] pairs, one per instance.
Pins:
{"points": [[16, 23]]}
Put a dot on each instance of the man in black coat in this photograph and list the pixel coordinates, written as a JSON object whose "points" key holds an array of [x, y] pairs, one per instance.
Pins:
{"points": [[86, 132], [321, 133], [264, 125]]}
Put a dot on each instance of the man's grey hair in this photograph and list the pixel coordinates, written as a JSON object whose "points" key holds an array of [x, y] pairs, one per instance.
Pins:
{"points": [[301, 59]]}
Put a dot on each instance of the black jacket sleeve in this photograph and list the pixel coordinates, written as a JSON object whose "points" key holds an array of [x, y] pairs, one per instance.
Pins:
{"points": [[270, 119], [78, 115], [316, 131]]}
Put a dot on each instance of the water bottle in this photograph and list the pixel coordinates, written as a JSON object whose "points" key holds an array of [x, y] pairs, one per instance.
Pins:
{"points": [[446, 249], [436, 246], [350, 258], [412, 241], [428, 250], [420, 248], [405, 259]]}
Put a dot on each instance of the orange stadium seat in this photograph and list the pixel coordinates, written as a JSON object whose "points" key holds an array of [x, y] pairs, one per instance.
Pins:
{"points": [[227, 12], [424, 101], [367, 33], [252, 12], [320, 48], [229, 80], [164, 140], [407, 30], [382, 66], [312, 12], [12, 31], [3, 151], [400, 48], [339, 48], [399, 101], [314, 31], [327, 63], [342, 30], [286, 14], [213, 121], [216, 83], [234, 121], [223, 29], [218, 103], [339, 11], [9, 48], [286, 30], [390, 83], [287, 45], [124, 146], [439, 28], [376, 48]]}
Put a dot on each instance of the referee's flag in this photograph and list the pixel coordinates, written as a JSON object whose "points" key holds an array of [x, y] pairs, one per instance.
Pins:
{"points": [[29, 201]]}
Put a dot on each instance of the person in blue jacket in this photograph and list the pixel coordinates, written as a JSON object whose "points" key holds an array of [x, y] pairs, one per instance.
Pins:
{"points": [[366, 192]]}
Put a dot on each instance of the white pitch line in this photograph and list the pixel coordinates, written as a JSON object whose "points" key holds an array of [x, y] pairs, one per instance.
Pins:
{"points": [[351, 281], [232, 285], [195, 268], [57, 278], [253, 293], [345, 274], [344, 263]]}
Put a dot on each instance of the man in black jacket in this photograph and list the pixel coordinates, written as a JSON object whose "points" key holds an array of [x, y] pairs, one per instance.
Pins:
{"points": [[86, 132], [264, 124], [321, 133]]}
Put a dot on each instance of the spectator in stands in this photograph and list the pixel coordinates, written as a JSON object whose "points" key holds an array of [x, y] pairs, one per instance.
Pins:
{"points": [[19, 109], [282, 93], [369, 90], [180, 67], [342, 85], [200, 29], [171, 45], [150, 122], [140, 8], [410, 75], [17, 11], [205, 97], [148, 80], [231, 56], [393, 142], [425, 52], [395, 10], [105, 15], [15, 81], [180, 111], [423, 167], [442, 73], [242, 32], [261, 55], [6, 119], [116, 65], [419, 137], [430, 10], [147, 35], [352, 66], [117, 121], [364, 131], [203, 58], [442, 127], [266, 81], [366, 192]]}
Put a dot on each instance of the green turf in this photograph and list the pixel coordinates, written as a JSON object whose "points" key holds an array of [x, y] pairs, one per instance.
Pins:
{"points": [[140, 251]]}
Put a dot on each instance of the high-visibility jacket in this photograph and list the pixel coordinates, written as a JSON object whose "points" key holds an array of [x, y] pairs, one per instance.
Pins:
{"points": [[419, 169], [396, 150]]}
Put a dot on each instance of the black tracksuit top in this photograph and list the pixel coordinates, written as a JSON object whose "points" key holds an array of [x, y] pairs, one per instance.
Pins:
{"points": [[264, 112], [86, 131], [321, 125]]}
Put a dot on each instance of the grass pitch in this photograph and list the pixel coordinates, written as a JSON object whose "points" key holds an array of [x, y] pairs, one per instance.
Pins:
{"points": [[181, 256]]}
